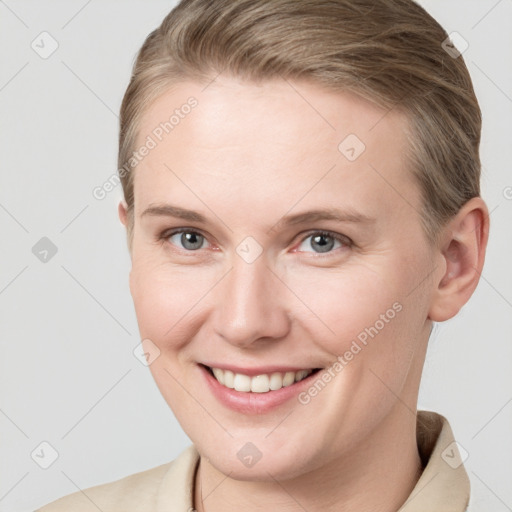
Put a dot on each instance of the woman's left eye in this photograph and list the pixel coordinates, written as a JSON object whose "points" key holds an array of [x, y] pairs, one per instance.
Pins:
{"points": [[189, 240], [322, 242]]}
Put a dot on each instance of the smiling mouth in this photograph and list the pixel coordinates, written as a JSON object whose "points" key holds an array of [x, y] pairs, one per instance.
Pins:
{"points": [[259, 383]]}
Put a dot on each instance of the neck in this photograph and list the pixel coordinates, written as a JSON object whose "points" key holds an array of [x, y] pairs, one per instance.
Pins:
{"points": [[358, 480]]}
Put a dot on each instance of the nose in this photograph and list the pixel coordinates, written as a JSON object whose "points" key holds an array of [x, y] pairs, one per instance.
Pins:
{"points": [[251, 304]]}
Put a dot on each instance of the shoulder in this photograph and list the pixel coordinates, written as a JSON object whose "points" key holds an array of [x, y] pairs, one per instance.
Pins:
{"points": [[139, 489], [138, 492]]}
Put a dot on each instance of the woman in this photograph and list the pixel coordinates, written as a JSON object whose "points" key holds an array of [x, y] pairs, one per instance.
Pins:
{"points": [[301, 199]]}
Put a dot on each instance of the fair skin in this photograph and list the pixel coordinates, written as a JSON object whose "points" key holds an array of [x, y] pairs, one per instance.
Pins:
{"points": [[244, 158]]}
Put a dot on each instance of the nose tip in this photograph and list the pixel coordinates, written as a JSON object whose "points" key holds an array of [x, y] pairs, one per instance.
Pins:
{"points": [[250, 305]]}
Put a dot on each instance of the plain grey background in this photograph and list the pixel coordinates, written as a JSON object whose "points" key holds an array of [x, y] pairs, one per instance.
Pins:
{"points": [[68, 375]]}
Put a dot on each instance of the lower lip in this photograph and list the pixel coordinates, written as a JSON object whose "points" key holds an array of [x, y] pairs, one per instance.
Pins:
{"points": [[254, 403]]}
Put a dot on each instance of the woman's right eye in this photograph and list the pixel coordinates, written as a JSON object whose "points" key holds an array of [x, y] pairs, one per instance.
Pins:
{"points": [[186, 239]]}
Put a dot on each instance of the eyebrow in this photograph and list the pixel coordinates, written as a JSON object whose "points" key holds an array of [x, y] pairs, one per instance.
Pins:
{"points": [[310, 216], [168, 210], [326, 214]]}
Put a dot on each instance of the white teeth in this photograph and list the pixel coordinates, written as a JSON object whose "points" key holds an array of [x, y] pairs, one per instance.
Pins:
{"points": [[241, 382], [276, 381], [229, 379], [219, 374], [259, 383], [289, 378], [300, 375]]}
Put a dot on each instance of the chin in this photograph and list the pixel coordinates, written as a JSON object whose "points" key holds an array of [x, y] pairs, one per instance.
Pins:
{"points": [[261, 460]]}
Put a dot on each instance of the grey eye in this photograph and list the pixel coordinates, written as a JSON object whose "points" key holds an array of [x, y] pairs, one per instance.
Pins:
{"points": [[189, 240], [319, 242]]}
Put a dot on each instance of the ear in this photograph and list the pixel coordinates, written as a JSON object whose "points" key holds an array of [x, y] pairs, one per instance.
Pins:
{"points": [[122, 209], [461, 251]]}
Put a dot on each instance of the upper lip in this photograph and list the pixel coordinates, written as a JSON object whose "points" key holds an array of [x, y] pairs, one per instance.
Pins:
{"points": [[258, 370]]}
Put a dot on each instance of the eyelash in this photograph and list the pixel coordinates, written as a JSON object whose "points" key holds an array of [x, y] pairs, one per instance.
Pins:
{"points": [[345, 241]]}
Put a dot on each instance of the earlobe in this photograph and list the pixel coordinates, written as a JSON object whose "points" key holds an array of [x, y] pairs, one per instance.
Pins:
{"points": [[462, 251]]}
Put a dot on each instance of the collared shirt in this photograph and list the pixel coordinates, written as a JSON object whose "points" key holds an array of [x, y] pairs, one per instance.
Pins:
{"points": [[442, 487]]}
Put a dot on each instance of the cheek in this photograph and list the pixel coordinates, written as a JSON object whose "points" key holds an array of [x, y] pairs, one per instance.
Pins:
{"points": [[347, 302], [367, 316], [167, 301]]}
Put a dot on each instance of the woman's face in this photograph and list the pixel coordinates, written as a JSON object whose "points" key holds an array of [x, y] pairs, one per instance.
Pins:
{"points": [[277, 229]]}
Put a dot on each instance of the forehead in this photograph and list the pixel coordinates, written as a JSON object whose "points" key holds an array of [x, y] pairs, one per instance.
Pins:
{"points": [[279, 141]]}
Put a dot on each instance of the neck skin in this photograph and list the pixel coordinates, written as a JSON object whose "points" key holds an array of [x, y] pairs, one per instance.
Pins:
{"points": [[359, 481]]}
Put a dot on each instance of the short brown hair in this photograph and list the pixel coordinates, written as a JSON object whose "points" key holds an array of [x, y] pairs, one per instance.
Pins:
{"points": [[390, 52]]}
